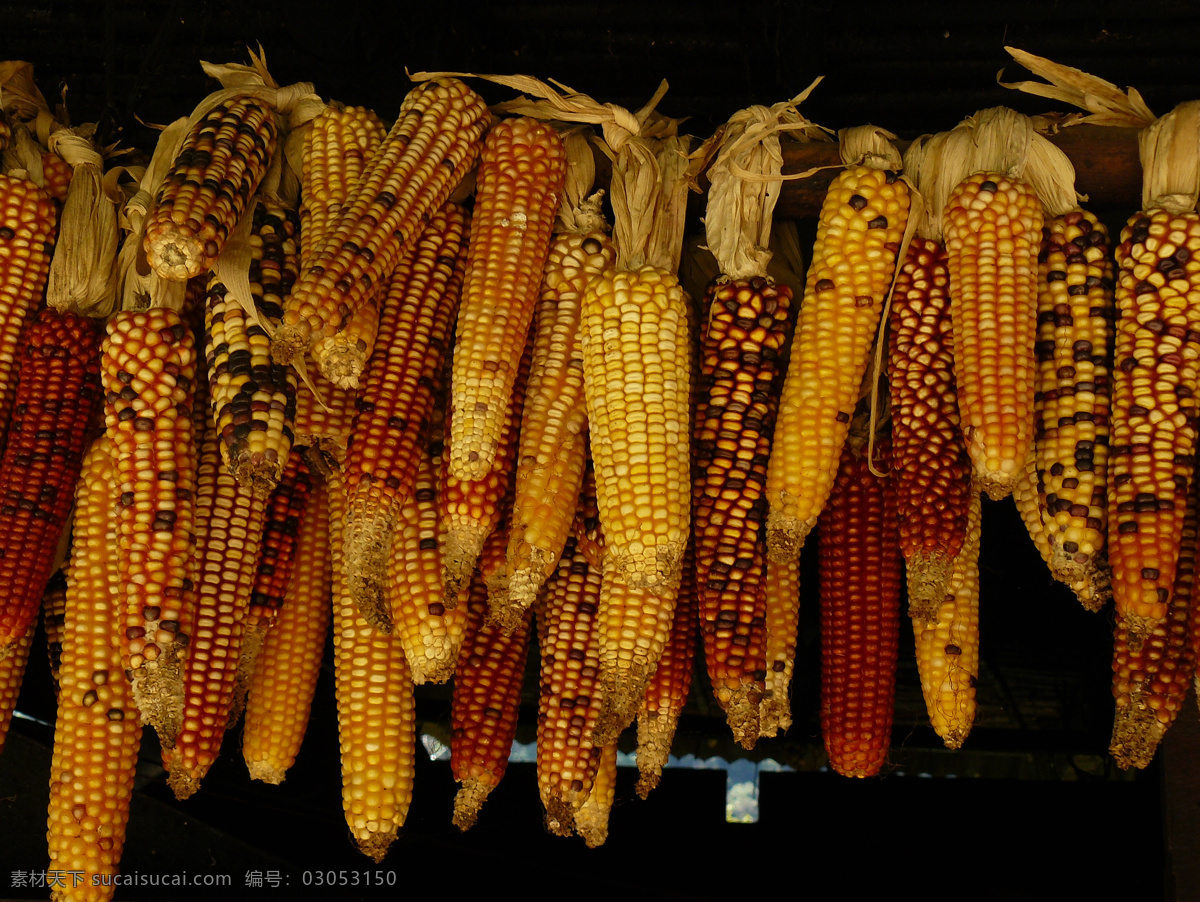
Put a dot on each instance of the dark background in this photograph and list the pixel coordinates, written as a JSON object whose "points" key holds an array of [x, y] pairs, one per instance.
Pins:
{"points": [[1032, 808]]}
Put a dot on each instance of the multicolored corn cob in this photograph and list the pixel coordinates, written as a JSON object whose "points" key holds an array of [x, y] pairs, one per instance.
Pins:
{"points": [[948, 648], [12, 674], [28, 224], [253, 398], [229, 529], [1152, 449], [568, 702], [323, 420], [428, 151], [859, 575], [486, 702], [520, 180], [57, 396], [148, 371], [1152, 675], [667, 691], [98, 731], [284, 681], [993, 226], [553, 443], [218, 169], [396, 401], [859, 231], [932, 469]]}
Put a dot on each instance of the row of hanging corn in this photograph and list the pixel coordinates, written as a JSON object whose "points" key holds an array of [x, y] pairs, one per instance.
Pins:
{"points": [[455, 423]]}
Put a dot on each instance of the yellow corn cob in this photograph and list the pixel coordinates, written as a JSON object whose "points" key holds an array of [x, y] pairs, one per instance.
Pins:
{"points": [[57, 172], [472, 509], [1075, 309], [637, 378], [782, 586], [948, 649], [218, 169], [993, 226], [1152, 450], [28, 222], [667, 691], [281, 690], [858, 235], [521, 173], [431, 147], [376, 712], [553, 443], [568, 702], [12, 673], [396, 402], [589, 537], [54, 604], [254, 399], [1151, 676], [98, 732], [486, 702], [933, 468], [338, 147], [591, 820], [229, 521], [148, 370], [430, 631]]}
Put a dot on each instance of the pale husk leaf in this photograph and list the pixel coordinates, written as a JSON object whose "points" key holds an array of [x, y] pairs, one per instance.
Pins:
{"points": [[744, 184], [579, 211], [1104, 102], [1170, 152], [19, 94], [23, 156], [869, 145]]}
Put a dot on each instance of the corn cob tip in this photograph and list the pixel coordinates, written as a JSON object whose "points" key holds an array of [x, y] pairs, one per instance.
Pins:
{"points": [[658, 569], [183, 783], [366, 546], [655, 732], [593, 828], [468, 801], [291, 341], [252, 643], [504, 612], [926, 576], [1137, 731], [176, 254], [560, 817], [343, 366], [376, 845], [523, 587], [997, 487], [257, 473], [774, 717], [158, 695], [266, 773], [463, 545], [741, 705], [785, 537], [432, 669], [954, 738], [618, 707]]}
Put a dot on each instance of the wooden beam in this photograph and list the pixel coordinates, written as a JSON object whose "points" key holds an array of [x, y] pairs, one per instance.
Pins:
{"points": [[1107, 169]]}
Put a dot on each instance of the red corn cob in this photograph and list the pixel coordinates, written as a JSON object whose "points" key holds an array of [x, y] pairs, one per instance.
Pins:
{"points": [[860, 616]]}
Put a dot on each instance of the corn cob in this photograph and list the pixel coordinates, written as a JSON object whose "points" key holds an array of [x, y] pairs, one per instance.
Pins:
{"points": [[57, 396], [217, 170], [281, 690], [637, 378], [98, 732], [553, 442], [1153, 443], [12, 673], [148, 371], [396, 402], [376, 712], [591, 820], [948, 649], [667, 691], [57, 174], [521, 173], [860, 616], [1075, 295], [54, 604], [229, 519], [323, 420], [433, 144], [858, 235], [472, 509], [992, 227], [932, 466], [28, 222], [338, 147], [5, 132], [486, 701], [586, 530], [254, 399], [568, 701], [1151, 677], [782, 587], [430, 632]]}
